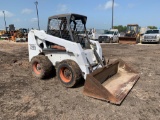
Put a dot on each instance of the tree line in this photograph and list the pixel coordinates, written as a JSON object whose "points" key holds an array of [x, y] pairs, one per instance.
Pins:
{"points": [[122, 28]]}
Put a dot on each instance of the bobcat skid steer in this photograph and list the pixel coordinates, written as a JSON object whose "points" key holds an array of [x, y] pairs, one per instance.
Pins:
{"points": [[67, 47]]}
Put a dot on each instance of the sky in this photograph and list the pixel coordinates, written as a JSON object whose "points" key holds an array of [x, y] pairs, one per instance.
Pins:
{"points": [[22, 13]]}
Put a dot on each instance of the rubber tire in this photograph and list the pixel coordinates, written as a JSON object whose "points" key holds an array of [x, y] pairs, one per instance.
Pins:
{"points": [[138, 40], [111, 41], [73, 68], [118, 40], [45, 65]]}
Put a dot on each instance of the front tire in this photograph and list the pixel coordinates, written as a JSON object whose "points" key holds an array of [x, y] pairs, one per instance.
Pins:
{"points": [[118, 40], [41, 66], [69, 73], [111, 40]]}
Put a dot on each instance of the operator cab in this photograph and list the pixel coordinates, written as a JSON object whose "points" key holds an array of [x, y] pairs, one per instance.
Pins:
{"points": [[70, 27], [132, 30]]}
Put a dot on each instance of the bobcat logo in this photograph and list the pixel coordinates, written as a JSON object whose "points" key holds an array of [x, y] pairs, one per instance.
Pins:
{"points": [[32, 47]]}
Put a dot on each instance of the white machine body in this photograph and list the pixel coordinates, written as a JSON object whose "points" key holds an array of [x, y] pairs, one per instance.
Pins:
{"points": [[74, 51]]}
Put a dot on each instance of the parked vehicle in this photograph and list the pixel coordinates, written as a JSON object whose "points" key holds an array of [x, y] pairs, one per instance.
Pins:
{"points": [[132, 35], [116, 31], [21, 35], [6, 35], [94, 34], [142, 32], [2, 32], [152, 36], [105, 37], [109, 37]]}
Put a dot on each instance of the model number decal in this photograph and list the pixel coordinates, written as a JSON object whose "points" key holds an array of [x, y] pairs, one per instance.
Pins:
{"points": [[32, 47]]}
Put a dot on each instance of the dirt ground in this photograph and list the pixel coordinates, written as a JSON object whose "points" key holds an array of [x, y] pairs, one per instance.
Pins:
{"points": [[23, 97]]}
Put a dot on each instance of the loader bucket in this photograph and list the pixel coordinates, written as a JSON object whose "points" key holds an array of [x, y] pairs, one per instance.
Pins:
{"points": [[111, 83], [127, 40]]}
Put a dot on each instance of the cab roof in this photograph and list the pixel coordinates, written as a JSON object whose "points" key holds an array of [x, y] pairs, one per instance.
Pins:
{"points": [[67, 15]]}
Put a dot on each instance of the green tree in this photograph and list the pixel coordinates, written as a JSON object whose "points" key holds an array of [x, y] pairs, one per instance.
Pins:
{"points": [[152, 27], [120, 28]]}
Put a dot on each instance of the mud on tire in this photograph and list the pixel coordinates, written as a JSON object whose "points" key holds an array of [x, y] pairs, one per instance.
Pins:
{"points": [[41, 66], [69, 73]]}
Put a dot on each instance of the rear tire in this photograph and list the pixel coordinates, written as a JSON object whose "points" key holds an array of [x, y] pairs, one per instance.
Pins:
{"points": [[111, 41], [41, 66], [118, 40], [69, 73]]}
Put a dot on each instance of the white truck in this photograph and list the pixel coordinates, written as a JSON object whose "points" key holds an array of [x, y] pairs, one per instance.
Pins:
{"points": [[116, 31], [95, 33], [100, 36], [109, 36], [152, 35], [142, 32]]}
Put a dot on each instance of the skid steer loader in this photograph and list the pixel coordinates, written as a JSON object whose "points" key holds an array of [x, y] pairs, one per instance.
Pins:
{"points": [[67, 47]]}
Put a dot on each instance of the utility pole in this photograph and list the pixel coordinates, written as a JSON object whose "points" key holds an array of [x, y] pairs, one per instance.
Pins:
{"points": [[112, 12], [36, 3], [5, 21]]}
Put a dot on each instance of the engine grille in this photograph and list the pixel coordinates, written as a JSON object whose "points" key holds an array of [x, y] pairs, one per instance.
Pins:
{"points": [[103, 37], [149, 37]]}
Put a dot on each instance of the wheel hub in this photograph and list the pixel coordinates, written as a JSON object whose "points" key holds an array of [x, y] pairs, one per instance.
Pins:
{"points": [[67, 73], [38, 67]]}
